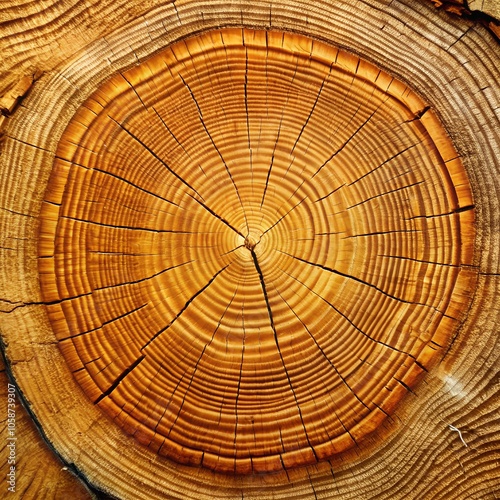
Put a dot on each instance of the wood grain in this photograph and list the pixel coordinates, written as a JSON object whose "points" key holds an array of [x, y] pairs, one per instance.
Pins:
{"points": [[27, 452], [238, 217], [396, 245]]}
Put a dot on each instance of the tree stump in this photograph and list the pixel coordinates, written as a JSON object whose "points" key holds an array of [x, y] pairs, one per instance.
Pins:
{"points": [[247, 251]]}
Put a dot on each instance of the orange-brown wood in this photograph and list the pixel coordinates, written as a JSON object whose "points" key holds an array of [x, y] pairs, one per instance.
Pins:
{"points": [[241, 216]]}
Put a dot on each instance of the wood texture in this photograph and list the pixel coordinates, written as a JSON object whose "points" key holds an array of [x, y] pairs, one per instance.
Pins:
{"points": [[238, 216], [38, 471], [224, 254]]}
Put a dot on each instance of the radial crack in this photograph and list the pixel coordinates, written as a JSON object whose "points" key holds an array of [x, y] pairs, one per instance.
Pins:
{"points": [[177, 176], [141, 280], [399, 153], [310, 112], [103, 324], [275, 333], [202, 121], [186, 305], [378, 233], [115, 384], [395, 190], [419, 260], [282, 217], [20, 304], [135, 90], [273, 155], [351, 137], [115, 226], [348, 276], [330, 362], [348, 319], [240, 376], [205, 347], [446, 214]]}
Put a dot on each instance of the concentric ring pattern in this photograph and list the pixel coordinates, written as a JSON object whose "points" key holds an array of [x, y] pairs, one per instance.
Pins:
{"points": [[250, 248]]}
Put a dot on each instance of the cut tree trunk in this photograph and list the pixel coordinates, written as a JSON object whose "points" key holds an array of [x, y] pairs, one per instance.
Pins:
{"points": [[251, 251]]}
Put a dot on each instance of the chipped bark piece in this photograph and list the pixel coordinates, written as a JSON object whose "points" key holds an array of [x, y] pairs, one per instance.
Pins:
{"points": [[11, 99], [486, 12], [494, 26], [3, 121], [456, 7], [260, 233]]}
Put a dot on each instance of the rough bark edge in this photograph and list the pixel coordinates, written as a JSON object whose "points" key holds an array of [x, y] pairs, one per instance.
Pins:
{"points": [[462, 9]]}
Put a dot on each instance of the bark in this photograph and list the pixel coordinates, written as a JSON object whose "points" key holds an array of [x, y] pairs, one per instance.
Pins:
{"points": [[30, 468], [251, 251]]}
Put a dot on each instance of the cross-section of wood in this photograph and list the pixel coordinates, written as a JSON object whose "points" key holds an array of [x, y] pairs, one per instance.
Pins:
{"points": [[251, 249]]}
